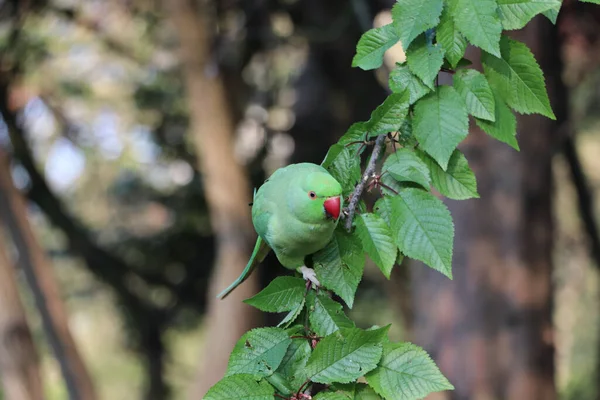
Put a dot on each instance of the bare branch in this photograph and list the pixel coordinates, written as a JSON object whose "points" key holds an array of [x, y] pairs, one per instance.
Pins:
{"points": [[361, 185]]}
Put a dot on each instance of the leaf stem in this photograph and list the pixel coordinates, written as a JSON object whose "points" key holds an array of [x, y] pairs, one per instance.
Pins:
{"points": [[363, 181]]}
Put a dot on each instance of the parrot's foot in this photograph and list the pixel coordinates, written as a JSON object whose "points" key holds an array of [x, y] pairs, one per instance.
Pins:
{"points": [[309, 275]]}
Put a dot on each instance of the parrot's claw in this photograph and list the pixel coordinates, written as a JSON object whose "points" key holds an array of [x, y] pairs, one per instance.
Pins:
{"points": [[309, 275]]}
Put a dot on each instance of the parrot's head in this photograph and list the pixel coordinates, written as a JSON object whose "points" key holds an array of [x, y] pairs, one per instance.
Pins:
{"points": [[319, 198]]}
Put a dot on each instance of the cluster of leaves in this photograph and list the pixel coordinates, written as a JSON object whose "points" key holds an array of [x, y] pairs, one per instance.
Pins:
{"points": [[423, 122], [316, 343]]}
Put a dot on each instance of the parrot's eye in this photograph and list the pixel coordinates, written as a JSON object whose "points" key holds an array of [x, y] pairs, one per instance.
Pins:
{"points": [[312, 195]]}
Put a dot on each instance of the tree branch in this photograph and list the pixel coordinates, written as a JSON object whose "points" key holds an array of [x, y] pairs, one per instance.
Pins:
{"points": [[361, 185], [585, 197]]}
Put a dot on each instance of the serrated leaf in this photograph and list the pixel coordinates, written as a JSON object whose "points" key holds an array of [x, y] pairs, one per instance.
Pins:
{"points": [[284, 293], [345, 355], [344, 166], [351, 391], [401, 79], [406, 372], [504, 128], [293, 314], [377, 241], [591, 1], [372, 46], [478, 21], [424, 228], [332, 396], [327, 316], [405, 166], [451, 40], [440, 123], [425, 60], [458, 181], [390, 186], [413, 17], [258, 352], [389, 116], [475, 90], [515, 14], [383, 208], [356, 133], [240, 387], [552, 15], [405, 136], [340, 265], [293, 363], [331, 155], [518, 78]]}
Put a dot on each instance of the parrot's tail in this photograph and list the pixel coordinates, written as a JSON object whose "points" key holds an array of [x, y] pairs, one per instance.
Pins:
{"points": [[261, 249]]}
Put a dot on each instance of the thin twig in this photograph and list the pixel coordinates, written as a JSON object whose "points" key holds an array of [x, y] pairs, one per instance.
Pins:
{"points": [[361, 185]]}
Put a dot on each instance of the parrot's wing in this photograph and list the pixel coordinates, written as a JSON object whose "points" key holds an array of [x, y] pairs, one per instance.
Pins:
{"points": [[261, 249]]}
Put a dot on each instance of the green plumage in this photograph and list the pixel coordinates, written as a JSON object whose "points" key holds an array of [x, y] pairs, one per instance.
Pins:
{"points": [[289, 216]]}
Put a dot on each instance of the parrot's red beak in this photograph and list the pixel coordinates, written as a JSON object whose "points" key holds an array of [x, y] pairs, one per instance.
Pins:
{"points": [[332, 207]]}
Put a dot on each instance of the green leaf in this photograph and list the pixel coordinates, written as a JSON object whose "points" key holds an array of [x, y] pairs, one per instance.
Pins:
{"points": [[332, 396], [552, 15], [389, 116], [258, 352], [340, 265], [293, 363], [372, 46], [413, 17], [351, 391], [327, 316], [451, 40], [406, 373], [242, 387], [405, 166], [284, 293], [440, 123], [402, 79], [383, 208], [345, 355], [458, 181], [515, 14], [344, 166], [293, 314], [377, 241], [591, 1], [425, 60], [356, 133], [478, 21], [424, 228], [518, 78], [475, 90], [504, 128], [405, 136]]}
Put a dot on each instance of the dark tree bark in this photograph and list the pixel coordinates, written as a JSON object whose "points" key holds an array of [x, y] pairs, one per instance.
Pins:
{"points": [[19, 362], [43, 284], [226, 188], [490, 328]]}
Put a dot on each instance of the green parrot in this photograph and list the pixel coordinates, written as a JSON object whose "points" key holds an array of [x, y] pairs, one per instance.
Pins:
{"points": [[294, 213]]}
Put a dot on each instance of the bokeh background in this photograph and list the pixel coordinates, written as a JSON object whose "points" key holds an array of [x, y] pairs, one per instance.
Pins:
{"points": [[133, 131]]}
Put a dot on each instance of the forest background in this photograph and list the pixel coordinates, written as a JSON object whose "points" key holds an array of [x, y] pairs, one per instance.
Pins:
{"points": [[109, 125]]}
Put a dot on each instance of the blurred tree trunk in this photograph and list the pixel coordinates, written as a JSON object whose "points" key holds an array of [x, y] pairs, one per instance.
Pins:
{"points": [[490, 328], [19, 363], [43, 284], [225, 185]]}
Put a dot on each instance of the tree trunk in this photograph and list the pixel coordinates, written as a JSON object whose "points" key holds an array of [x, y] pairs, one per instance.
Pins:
{"points": [[38, 272], [19, 363], [225, 185], [490, 328]]}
